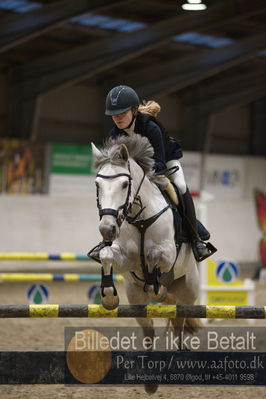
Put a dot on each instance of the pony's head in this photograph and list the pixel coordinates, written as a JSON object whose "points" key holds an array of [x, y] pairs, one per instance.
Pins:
{"points": [[114, 183]]}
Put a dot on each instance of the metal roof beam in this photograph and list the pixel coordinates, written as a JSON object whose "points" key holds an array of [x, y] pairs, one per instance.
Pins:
{"points": [[33, 79], [244, 95], [85, 61], [192, 69], [88, 60], [210, 90], [20, 28], [195, 132]]}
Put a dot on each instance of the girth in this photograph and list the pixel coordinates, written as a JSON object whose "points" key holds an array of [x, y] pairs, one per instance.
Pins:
{"points": [[151, 278]]}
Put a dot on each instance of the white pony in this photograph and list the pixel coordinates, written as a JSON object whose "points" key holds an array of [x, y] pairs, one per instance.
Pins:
{"points": [[137, 223]]}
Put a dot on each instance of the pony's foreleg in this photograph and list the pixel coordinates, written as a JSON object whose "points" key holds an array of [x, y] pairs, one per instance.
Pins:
{"points": [[136, 296], [110, 298], [161, 259]]}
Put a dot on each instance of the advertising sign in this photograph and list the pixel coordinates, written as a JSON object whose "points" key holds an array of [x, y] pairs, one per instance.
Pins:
{"points": [[71, 159], [222, 285], [71, 170]]}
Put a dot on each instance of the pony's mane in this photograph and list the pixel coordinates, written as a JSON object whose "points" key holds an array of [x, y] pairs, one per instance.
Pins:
{"points": [[139, 149]]}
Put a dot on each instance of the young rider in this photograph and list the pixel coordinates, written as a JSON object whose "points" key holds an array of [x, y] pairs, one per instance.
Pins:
{"points": [[129, 116]]}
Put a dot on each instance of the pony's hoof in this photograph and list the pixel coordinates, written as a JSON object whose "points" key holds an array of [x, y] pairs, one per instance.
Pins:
{"points": [[108, 305], [151, 388]]}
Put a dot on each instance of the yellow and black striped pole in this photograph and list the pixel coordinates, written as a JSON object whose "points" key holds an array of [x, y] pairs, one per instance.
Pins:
{"points": [[150, 311], [63, 256], [49, 277]]}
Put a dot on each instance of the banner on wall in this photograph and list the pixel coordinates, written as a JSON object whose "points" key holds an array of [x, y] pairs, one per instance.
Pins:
{"points": [[224, 176], [71, 172], [22, 167]]}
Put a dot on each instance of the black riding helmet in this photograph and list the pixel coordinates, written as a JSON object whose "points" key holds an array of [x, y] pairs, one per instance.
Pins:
{"points": [[120, 99]]}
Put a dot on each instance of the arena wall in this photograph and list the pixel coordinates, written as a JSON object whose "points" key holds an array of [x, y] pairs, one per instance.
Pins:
{"points": [[63, 224]]}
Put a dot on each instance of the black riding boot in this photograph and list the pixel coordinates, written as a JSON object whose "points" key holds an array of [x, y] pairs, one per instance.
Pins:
{"points": [[94, 253], [201, 250]]}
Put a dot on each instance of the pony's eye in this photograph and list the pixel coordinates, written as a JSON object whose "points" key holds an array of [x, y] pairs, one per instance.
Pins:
{"points": [[125, 185]]}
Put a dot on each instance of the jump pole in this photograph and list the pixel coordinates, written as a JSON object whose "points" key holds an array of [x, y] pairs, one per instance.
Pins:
{"points": [[64, 256], [147, 311], [50, 277]]}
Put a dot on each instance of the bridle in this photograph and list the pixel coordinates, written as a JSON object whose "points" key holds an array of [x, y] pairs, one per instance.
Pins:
{"points": [[123, 210]]}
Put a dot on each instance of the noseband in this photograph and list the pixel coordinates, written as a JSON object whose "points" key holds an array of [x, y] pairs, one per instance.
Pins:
{"points": [[122, 211]]}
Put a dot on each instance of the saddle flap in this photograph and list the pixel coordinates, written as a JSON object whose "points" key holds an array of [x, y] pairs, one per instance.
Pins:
{"points": [[180, 230]]}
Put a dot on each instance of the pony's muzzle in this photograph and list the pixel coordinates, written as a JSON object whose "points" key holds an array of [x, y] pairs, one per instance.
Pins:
{"points": [[108, 228]]}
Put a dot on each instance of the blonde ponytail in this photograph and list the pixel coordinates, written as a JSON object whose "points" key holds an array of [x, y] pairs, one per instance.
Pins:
{"points": [[150, 107]]}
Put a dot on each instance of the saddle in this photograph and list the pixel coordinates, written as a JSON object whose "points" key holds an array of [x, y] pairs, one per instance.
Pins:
{"points": [[181, 234]]}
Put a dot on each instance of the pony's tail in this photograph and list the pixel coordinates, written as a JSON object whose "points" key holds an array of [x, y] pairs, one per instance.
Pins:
{"points": [[150, 107]]}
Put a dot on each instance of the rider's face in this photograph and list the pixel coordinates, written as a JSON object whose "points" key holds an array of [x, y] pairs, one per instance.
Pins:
{"points": [[123, 120]]}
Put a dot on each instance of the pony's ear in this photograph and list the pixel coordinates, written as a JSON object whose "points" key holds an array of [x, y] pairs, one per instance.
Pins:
{"points": [[97, 155], [120, 155]]}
